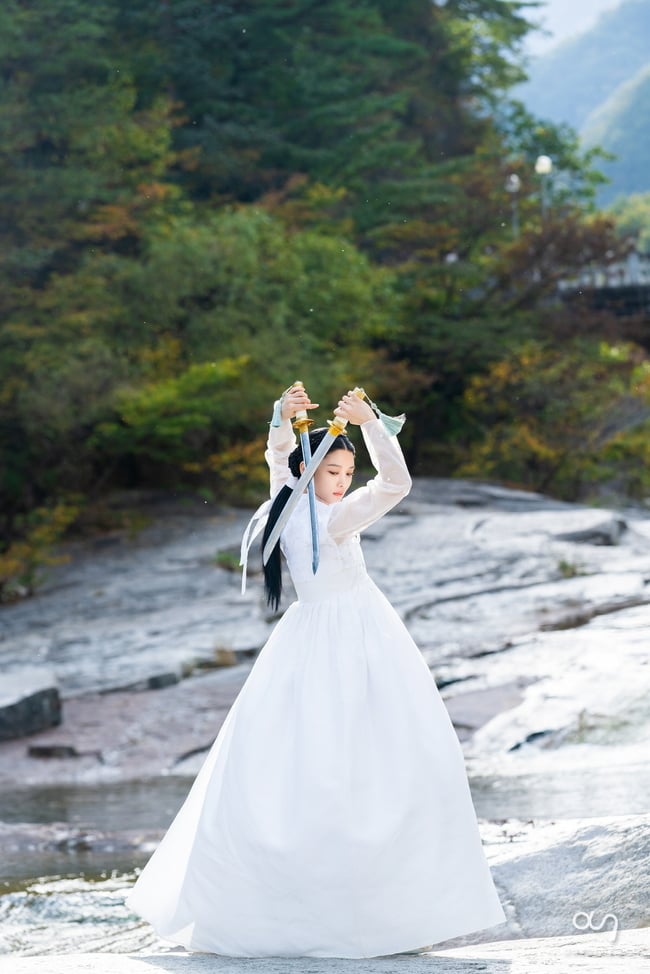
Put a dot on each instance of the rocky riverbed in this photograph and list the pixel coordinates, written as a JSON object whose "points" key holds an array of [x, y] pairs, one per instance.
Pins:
{"points": [[534, 618]]}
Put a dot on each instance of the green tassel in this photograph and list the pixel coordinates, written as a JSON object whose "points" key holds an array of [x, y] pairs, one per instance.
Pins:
{"points": [[392, 424]]}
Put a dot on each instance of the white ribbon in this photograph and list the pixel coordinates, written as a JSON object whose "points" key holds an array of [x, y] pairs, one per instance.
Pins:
{"points": [[253, 528]]}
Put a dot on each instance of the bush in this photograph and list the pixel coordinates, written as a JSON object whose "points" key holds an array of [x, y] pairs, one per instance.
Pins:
{"points": [[564, 419], [22, 563]]}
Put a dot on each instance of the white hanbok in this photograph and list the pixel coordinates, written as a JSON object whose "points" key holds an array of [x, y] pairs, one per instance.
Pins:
{"points": [[332, 816]]}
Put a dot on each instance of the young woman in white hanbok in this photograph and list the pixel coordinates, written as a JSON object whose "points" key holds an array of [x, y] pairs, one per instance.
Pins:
{"points": [[332, 816]]}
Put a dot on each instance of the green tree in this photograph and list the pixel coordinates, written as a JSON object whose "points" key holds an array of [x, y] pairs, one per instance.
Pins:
{"points": [[373, 98], [563, 419], [82, 171], [135, 370], [79, 161], [632, 216]]}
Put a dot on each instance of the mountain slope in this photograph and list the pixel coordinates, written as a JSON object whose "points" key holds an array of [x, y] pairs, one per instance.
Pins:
{"points": [[571, 81], [622, 126]]}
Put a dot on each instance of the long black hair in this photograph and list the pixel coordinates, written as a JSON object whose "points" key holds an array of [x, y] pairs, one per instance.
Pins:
{"points": [[273, 567]]}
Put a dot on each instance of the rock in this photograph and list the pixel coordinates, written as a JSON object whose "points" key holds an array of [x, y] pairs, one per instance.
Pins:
{"points": [[52, 751], [476, 494], [471, 709], [192, 753], [533, 737], [471, 567], [160, 680], [589, 686], [607, 531], [595, 953], [553, 870], [29, 702], [61, 751]]}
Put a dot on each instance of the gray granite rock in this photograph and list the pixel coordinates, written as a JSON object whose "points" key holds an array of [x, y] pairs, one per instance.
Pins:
{"points": [[469, 566], [607, 531], [554, 872], [29, 702], [591, 953]]}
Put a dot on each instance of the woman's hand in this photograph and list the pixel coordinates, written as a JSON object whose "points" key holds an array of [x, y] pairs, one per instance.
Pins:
{"points": [[295, 399], [354, 409]]}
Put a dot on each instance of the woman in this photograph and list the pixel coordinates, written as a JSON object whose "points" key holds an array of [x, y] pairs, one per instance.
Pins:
{"points": [[332, 816]]}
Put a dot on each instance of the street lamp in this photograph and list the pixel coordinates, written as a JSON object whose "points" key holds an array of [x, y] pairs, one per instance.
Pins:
{"points": [[544, 168], [512, 186]]}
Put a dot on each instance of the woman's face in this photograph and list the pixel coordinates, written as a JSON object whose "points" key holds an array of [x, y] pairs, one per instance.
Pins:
{"points": [[334, 475]]}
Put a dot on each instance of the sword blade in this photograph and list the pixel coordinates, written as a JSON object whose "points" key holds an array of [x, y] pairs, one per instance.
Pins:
{"points": [[313, 516], [304, 480]]}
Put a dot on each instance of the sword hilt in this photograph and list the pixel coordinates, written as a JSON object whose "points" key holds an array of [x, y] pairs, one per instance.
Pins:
{"points": [[338, 424], [302, 422]]}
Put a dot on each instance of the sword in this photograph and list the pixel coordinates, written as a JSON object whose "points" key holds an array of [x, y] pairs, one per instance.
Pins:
{"points": [[302, 424], [336, 427]]}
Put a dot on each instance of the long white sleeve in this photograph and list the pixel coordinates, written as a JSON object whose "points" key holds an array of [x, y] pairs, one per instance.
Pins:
{"points": [[280, 443], [365, 505]]}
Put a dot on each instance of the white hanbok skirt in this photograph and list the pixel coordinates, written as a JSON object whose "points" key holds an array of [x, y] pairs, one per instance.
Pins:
{"points": [[332, 816]]}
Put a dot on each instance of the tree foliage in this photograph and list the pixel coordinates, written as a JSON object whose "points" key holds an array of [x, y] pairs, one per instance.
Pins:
{"points": [[203, 201], [564, 419], [632, 217], [133, 370]]}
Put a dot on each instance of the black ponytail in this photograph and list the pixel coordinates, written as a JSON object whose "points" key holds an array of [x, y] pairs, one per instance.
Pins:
{"points": [[273, 567]]}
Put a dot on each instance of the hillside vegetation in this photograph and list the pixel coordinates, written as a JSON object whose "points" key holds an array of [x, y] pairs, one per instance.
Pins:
{"points": [[201, 203]]}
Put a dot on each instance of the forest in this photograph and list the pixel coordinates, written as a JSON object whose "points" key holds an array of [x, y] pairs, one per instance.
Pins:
{"points": [[202, 201]]}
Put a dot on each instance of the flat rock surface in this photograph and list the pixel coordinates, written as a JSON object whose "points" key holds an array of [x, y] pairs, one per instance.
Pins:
{"points": [[128, 734], [467, 565], [595, 953], [473, 569], [549, 871]]}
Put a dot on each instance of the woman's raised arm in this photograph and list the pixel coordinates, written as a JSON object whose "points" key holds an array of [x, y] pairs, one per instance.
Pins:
{"points": [[365, 505], [282, 439]]}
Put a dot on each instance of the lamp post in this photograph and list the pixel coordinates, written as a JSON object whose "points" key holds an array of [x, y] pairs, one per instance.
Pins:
{"points": [[544, 168], [512, 186]]}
